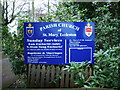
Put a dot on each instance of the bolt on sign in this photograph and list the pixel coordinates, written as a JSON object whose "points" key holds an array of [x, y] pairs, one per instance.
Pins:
{"points": [[58, 42]]}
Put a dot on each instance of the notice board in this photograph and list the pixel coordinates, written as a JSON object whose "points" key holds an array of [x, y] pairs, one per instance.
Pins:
{"points": [[56, 43]]}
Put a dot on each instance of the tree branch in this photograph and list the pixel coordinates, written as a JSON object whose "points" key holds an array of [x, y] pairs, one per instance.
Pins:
{"points": [[6, 19], [12, 16], [6, 13]]}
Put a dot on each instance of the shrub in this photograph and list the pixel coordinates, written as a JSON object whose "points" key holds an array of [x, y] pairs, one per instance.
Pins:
{"points": [[105, 70]]}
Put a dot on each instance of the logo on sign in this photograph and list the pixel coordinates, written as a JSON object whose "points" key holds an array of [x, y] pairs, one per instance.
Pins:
{"points": [[29, 30], [88, 30]]}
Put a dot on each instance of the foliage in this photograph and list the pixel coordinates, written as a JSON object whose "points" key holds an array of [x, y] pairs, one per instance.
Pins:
{"points": [[107, 37], [105, 73], [106, 68], [81, 76], [57, 77], [106, 43], [64, 14], [106, 28], [13, 47]]}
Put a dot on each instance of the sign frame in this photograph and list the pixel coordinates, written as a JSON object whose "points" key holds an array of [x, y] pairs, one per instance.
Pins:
{"points": [[64, 36]]}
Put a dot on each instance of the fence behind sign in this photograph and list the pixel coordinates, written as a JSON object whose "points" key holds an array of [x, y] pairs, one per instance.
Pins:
{"points": [[43, 76]]}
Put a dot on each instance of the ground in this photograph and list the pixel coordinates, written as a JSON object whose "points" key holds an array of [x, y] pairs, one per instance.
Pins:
{"points": [[8, 77]]}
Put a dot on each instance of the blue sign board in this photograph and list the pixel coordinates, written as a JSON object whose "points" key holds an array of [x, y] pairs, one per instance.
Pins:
{"points": [[58, 42]]}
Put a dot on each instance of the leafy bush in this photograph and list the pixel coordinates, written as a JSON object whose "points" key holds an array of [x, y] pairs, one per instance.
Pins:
{"points": [[81, 77], [106, 26], [13, 47], [106, 30], [107, 39], [105, 70]]}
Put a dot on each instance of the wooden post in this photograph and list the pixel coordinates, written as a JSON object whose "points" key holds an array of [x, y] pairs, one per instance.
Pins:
{"points": [[33, 72], [42, 76], [38, 76], [62, 82], [57, 74], [28, 74], [48, 76]]}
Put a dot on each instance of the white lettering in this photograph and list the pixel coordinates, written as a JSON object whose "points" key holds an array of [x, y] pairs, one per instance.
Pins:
{"points": [[59, 25]]}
